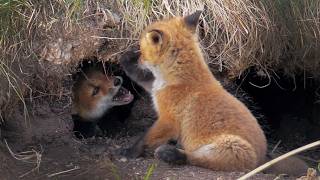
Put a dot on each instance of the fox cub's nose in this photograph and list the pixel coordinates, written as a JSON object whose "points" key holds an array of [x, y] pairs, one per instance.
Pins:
{"points": [[117, 81]]}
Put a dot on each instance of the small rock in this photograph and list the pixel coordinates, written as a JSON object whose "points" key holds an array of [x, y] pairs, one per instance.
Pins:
{"points": [[123, 159], [311, 175]]}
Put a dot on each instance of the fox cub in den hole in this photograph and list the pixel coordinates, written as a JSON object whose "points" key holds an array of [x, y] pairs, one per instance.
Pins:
{"points": [[214, 129], [99, 100]]}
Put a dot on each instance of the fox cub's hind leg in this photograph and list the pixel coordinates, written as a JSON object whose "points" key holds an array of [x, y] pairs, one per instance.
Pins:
{"points": [[226, 153], [129, 63], [161, 132], [171, 154]]}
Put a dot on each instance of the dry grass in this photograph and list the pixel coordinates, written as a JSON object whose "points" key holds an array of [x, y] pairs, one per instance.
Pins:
{"points": [[235, 35], [232, 29], [268, 35], [63, 172]]}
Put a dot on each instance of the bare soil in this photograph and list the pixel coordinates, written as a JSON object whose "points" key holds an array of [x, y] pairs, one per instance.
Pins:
{"points": [[62, 156]]}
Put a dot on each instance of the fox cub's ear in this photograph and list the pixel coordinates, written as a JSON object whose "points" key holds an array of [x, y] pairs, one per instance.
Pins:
{"points": [[155, 37], [192, 20]]}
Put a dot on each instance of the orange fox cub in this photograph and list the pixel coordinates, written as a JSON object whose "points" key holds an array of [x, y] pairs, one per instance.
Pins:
{"points": [[215, 129]]}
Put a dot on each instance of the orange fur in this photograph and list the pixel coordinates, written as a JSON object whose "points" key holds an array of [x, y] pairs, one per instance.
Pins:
{"points": [[215, 129], [84, 102]]}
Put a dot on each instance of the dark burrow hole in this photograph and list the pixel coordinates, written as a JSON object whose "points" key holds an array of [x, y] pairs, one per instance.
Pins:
{"points": [[291, 107], [113, 122]]}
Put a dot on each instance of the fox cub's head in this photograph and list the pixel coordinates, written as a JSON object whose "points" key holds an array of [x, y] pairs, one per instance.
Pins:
{"points": [[163, 41], [95, 93]]}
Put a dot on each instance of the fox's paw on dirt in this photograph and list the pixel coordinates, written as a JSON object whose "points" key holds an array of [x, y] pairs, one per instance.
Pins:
{"points": [[170, 154]]}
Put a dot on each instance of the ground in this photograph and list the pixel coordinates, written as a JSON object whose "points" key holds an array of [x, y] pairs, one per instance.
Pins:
{"points": [[41, 145], [50, 144]]}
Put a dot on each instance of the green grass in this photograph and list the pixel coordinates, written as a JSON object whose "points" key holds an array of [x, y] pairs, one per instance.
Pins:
{"points": [[13, 24], [18, 15], [21, 23], [149, 172], [10, 18], [14, 85], [147, 4], [74, 9], [115, 172]]}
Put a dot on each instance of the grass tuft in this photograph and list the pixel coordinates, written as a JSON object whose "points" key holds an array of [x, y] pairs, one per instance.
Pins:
{"points": [[150, 172], [24, 25], [74, 10], [115, 172]]}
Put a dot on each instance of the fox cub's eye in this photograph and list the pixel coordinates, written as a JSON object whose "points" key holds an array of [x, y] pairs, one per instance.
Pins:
{"points": [[95, 91], [155, 39]]}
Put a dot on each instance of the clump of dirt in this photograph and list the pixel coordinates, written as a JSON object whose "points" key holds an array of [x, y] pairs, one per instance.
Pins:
{"points": [[72, 44]]}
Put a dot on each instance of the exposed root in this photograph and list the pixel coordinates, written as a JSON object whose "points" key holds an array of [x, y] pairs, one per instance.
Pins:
{"points": [[32, 156], [63, 172]]}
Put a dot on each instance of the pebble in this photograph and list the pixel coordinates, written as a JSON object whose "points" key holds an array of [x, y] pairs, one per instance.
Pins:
{"points": [[123, 159]]}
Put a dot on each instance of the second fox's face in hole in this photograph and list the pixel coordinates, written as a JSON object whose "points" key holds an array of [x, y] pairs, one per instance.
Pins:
{"points": [[96, 92]]}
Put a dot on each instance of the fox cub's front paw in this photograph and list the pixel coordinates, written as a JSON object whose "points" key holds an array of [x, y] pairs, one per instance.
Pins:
{"points": [[131, 153], [130, 57]]}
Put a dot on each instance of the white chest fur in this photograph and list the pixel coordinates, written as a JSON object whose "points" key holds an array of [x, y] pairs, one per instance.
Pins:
{"points": [[158, 83]]}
